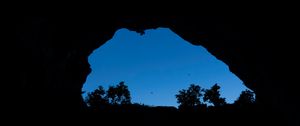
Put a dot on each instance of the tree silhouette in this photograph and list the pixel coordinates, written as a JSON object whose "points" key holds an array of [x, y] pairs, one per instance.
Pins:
{"points": [[123, 94], [246, 98], [119, 94], [96, 99], [212, 95], [189, 98], [111, 94]]}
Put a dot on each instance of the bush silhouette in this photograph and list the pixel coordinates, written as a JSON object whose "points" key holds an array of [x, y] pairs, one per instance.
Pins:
{"points": [[212, 95], [189, 98], [246, 98], [119, 94], [100, 99], [97, 100]]}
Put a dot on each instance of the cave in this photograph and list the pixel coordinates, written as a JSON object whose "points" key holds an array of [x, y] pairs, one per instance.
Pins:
{"points": [[52, 52]]}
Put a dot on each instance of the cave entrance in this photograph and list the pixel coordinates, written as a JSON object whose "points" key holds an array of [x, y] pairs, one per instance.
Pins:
{"points": [[156, 65]]}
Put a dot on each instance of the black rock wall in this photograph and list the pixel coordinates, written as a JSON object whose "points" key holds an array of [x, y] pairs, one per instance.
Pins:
{"points": [[51, 64]]}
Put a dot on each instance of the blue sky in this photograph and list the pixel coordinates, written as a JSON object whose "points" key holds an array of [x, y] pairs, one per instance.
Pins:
{"points": [[156, 65]]}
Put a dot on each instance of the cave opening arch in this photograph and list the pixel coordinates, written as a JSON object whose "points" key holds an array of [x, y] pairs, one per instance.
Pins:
{"points": [[54, 50], [131, 42]]}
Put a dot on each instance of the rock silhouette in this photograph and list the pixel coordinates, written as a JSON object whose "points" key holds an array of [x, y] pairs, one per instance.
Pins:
{"points": [[49, 63]]}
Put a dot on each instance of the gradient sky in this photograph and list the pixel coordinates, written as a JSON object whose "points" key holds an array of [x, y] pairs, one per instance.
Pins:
{"points": [[156, 65]]}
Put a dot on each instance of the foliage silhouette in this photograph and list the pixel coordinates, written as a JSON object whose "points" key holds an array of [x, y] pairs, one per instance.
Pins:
{"points": [[212, 95], [96, 100], [246, 98], [115, 104], [119, 94], [101, 100], [189, 98]]}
